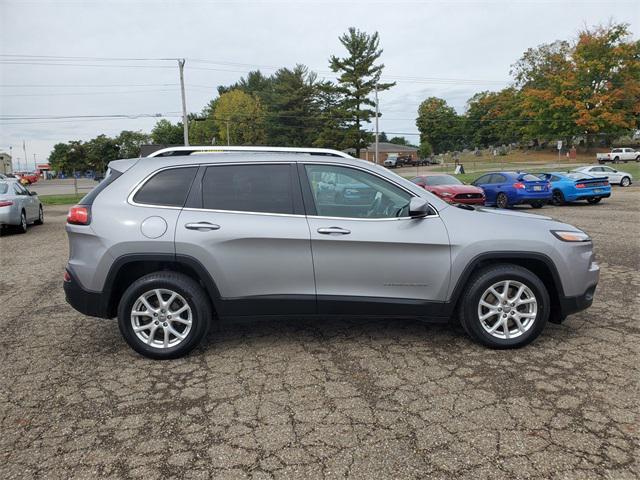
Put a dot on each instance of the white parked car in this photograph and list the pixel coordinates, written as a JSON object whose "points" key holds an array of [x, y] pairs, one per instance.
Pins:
{"points": [[618, 155], [623, 179]]}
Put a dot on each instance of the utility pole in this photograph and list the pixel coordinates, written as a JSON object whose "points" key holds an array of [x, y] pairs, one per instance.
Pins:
{"points": [[377, 110], [228, 141], [185, 122], [26, 159]]}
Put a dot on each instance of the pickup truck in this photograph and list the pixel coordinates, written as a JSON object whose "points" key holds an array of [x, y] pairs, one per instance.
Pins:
{"points": [[618, 155]]}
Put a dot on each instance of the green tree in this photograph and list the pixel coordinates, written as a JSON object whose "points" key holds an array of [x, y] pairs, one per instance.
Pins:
{"points": [[587, 88], [166, 133], [129, 143], [333, 121], [242, 116], [425, 150], [202, 128], [357, 80], [439, 125], [292, 115], [382, 137], [58, 157], [399, 141], [493, 118], [100, 151]]}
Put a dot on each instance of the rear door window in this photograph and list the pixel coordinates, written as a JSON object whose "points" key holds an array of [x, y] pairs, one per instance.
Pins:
{"points": [[168, 187], [248, 188], [497, 178]]}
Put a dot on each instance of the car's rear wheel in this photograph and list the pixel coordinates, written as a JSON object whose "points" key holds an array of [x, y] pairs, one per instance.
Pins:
{"points": [[625, 182], [504, 306], [594, 200], [616, 160], [40, 219], [22, 227], [502, 201], [164, 315], [558, 198]]}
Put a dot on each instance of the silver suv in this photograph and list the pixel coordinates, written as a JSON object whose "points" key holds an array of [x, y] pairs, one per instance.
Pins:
{"points": [[169, 243]]}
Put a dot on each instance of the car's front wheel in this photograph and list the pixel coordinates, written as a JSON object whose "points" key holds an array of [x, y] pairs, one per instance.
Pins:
{"points": [[502, 201], [625, 182], [40, 219], [164, 315], [558, 198], [504, 306]]}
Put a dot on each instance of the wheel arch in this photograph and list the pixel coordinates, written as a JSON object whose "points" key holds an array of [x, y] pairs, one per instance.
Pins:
{"points": [[128, 268], [538, 263]]}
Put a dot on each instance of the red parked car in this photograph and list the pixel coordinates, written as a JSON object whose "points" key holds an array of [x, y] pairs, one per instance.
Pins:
{"points": [[26, 178], [450, 189]]}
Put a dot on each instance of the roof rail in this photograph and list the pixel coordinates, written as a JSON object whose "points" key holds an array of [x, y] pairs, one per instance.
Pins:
{"points": [[173, 151]]}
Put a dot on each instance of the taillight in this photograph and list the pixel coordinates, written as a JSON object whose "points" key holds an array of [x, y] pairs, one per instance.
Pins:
{"points": [[580, 185], [79, 215], [5, 203], [518, 185], [66, 277]]}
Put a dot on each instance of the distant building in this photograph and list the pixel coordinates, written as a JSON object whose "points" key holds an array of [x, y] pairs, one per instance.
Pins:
{"points": [[384, 150], [5, 163]]}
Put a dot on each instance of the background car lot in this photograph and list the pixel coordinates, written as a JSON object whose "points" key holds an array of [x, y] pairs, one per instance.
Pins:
{"points": [[314, 399]]}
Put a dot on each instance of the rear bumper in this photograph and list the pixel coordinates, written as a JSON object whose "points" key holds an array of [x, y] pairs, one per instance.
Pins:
{"points": [[585, 195], [84, 301]]}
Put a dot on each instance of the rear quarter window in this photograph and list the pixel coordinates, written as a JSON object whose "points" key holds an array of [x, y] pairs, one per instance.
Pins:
{"points": [[167, 188]]}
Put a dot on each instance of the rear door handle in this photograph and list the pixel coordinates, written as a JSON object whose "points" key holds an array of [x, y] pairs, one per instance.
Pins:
{"points": [[201, 226], [330, 230]]}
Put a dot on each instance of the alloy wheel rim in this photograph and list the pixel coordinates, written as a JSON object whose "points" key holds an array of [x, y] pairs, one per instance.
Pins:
{"points": [[507, 309], [557, 197], [23, 221], [40, 214], [625, 182], [161, 318], [502, 201]]}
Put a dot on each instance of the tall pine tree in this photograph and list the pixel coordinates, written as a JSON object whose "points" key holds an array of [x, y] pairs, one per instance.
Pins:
{"points": [[357, 80]]}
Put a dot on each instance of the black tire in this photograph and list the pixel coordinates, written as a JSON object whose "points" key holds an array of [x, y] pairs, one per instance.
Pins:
{"points": [[616, 160], [558, 198], [502, 201], [40, 219], [480, 282], [593, 201], [625, 182], [189, 289], [537, 205], [22, 228], [638, 158]]}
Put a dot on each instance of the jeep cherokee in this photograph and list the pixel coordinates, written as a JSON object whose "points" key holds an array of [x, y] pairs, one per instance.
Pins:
{"points": [[167, 244]]}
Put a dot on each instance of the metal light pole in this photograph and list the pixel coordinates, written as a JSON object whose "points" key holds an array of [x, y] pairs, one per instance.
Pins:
{"points": [[377, 110], [185, 122]]}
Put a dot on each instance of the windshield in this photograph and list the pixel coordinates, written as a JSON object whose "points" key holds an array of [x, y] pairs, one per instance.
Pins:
{"points": [[434, 180]]}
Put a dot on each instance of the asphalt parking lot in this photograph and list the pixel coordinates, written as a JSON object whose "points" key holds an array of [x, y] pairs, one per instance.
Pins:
{"points": [[334, 399]]}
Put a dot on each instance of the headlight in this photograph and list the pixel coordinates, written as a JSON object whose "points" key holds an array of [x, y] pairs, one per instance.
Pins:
{"points": [[568, 236]]}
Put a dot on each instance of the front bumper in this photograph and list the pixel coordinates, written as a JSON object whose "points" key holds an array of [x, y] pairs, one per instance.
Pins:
{"points": [[569, 305], [84, 301]]}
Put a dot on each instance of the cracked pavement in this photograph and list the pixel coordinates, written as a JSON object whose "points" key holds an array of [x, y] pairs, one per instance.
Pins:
{"points": [[321, 399]]}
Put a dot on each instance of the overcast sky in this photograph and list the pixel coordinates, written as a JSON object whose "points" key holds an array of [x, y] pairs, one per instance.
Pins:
{"points": [[452, 49]]}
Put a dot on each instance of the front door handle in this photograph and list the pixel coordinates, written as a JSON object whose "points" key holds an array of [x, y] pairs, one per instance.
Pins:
{"points": [[330, 230], [202, 226]]}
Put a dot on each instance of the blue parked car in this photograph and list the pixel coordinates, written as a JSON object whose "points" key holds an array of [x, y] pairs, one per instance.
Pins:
{"points": [[504, 189], [571, 186]]}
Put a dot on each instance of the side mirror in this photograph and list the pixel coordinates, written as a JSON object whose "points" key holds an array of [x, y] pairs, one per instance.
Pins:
{"points": [[418, 207], [32, 193]]}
